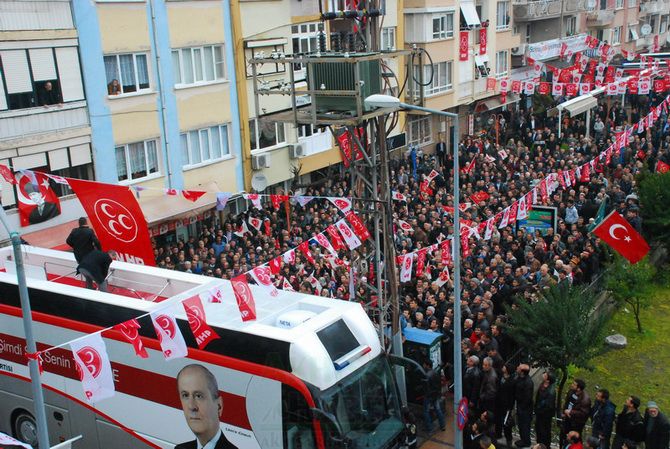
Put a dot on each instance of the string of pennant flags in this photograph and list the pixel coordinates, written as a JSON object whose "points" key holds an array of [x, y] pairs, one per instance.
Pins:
{"points": [[519, 208], [585, 73]]}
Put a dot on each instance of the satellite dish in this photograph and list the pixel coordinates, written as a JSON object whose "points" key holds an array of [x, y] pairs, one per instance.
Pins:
{"points": [[259, 182], [646, 29]]}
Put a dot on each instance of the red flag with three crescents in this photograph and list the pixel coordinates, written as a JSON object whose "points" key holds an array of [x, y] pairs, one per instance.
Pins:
{"points": [[197, 321], [130, 331], [244, 298]]}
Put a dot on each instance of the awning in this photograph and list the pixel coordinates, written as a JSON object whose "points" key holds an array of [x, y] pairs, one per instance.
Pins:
{"points": [[470, 14], [578, 105], [159, 207], [495, 102]]}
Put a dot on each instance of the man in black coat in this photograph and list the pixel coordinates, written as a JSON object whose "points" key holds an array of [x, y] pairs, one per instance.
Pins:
{"points": [[95, 266], [82, 240], [545, 408], [472, 380], [657, 428], [602, 418], [629, 423], [523, 396]]}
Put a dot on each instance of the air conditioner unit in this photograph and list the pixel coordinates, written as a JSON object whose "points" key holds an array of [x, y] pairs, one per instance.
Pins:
{"points": [[519, 51], [260, 161], [296, 151]]}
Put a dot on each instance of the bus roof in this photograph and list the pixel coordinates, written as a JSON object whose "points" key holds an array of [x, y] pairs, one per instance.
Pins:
{"points": [[295, 318]]}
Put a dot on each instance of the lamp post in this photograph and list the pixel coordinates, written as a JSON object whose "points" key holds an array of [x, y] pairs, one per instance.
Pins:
{"points": [[393, 103], [35, 380]]}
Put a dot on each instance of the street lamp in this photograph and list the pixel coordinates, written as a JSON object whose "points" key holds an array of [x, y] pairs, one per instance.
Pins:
{"points": [[389, 102]]}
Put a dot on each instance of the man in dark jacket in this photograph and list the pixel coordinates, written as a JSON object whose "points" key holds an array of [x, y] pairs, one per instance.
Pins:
{"points": [[523, 396], [472, 380], [657, 428], [545, 408], [433, 397], [576, 409], [489, 386], [95, 266], [82, 240], [602, 418], [629, 423]]}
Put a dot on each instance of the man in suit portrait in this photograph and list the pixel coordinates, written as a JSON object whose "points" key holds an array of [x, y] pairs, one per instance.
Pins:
{"points": [[44, 209], [202, 405]]}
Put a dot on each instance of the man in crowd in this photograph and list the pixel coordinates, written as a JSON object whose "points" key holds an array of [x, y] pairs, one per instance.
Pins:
{"points": [[576, 409], [629, 424], [602, 418]]}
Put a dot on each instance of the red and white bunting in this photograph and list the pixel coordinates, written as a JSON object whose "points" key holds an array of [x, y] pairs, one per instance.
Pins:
{"points": [[192, 195], [254, 198], [335, 238], [289, 256], [275, 265], [169, 336], [93, 367], [130, 331], [323, 241], [357, 224], [406, 267], [213, 295], [505, 219], [314, 282], [421, 262], [244, 298], [197, 321], [446, 250], [303, 200], [522, 211], [242, 229], [405, 226], [343, 204], [350, 238], [489, 228], [443, 278], [398, 196], [277, 200], [263, 277], [304, 249], [255, 222]]}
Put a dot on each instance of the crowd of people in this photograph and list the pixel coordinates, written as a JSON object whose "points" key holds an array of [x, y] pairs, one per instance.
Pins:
{"points": [[513, 263]]}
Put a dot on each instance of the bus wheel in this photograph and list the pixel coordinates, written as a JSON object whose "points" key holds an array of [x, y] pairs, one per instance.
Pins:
{"points": [[25, 428]]}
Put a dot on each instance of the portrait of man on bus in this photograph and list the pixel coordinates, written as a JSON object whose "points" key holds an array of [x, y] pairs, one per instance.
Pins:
{"points": [[202, 405]]}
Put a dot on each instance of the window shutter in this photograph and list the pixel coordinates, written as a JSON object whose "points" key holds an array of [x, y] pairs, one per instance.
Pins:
{"points": [[69, 74], [42, 63], [17, 74]]}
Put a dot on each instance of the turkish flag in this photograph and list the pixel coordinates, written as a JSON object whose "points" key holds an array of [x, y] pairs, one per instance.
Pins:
{"points": [[129, 330], [93, 367], [192, 195], [169, 335], [197, 321], [662, 167], [620, 235], [7, 174], [117, 220], [478, 197], [343, 204], [37, 200], [245, 300]]}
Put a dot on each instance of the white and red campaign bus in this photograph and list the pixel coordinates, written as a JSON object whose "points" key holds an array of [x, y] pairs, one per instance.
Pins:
{"points": [[308, 373]]}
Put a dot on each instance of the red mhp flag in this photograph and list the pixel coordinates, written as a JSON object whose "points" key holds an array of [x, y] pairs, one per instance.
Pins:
{"points": [[359, 228], [275, 265], [7, 174], [197, 321], [241, 230], [117, 220], [406, 267], [263, 277], [169, 336], [129, 330], [620, 235], [662, 167], [286, 285], [93, 367], [289, 256], [343, 204], [445, 248], [304, 249], [323, 241], [37, 201], [421, 261], [268, 227], [192, 195], [350, 238], [443, 278], [337, 242], [245, 300]]}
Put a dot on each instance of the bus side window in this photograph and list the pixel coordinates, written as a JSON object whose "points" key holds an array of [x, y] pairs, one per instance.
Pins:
{"points": [[298, 427]]}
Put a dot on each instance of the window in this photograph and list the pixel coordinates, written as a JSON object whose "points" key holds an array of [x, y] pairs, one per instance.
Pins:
{"points": [[632, 3], [619, 4], [616, 35], [664, 24], [571, 26], [652, 23], [305, 40], [443, 26], [198, 64], [129, 70], [39, 77], [204, 145], [136, 160], [388, 38], [501, 64], [632, 32], [441, 81], [419, 130], [266, 134], [502, 16]]}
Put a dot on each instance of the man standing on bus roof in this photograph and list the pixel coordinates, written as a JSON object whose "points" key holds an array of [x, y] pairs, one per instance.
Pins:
{"points": [[82, 240], [202, 405]]}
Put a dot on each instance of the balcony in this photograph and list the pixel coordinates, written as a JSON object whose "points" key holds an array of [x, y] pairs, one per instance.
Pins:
{"points": [[525, 10], [654, 7], [25, 123], [600, 18]]}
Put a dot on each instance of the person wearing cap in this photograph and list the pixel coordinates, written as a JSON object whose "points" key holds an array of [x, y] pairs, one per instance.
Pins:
{"points": [[629, 423], [656, 428]]}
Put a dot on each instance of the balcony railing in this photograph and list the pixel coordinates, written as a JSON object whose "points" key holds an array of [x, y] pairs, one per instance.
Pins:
{"points": [[39, 120], [654, 7], [600, 17], [525, 10]]}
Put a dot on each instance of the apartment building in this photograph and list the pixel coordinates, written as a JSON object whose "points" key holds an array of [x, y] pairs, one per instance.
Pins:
{"points": [[653, 25], [160, 84], [467, 41], [44, 122]]}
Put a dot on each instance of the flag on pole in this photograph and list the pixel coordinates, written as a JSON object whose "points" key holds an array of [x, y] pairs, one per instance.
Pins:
{"points": [[620, 235]]}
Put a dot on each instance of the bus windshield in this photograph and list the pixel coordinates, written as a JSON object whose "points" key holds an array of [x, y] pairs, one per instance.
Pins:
{"points": [[366, 406]]}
